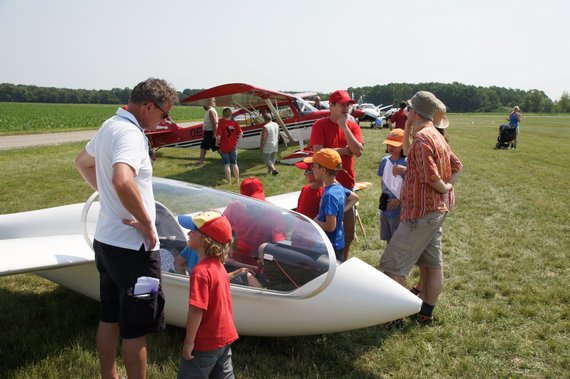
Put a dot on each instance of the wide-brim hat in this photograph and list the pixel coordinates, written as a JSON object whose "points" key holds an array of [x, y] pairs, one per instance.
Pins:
{"points": [[424, 103]]}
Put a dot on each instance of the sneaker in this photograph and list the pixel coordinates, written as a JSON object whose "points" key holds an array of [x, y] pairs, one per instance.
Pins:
{"points": [[275, 172], [422, 320], [396, 324]]}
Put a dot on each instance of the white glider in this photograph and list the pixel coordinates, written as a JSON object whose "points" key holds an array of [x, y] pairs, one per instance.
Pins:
{"points": [[305, 290]]}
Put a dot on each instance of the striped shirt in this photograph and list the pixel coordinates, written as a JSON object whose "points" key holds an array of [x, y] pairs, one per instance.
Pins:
{"points": [[430, 158]]}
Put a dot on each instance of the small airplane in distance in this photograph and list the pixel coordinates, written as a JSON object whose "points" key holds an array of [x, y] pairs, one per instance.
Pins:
{"points": [[305, 290], [294, 115]]}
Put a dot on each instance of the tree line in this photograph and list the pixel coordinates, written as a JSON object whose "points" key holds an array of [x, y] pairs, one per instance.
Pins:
{"points": [[465, 98], [458, 97], [34, 94]]}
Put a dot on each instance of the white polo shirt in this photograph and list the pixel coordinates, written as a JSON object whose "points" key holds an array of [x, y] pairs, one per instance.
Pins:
{"points": [[121, 140]]}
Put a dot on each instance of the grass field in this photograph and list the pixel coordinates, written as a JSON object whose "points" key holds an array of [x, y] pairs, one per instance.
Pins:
{"points": [[25, 118], [504, 311]]}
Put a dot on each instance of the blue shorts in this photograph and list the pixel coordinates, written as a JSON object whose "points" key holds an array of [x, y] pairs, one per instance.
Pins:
{"points": [[229, 158], [119, 270]]}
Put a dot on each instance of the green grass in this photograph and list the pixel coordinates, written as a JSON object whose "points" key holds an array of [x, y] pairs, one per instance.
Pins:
{"points": [[503, 313], [25, 118]]}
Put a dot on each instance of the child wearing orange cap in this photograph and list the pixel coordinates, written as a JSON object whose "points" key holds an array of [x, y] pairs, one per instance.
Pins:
{"points": [[336, 199], [210, 328], [391, 169]]}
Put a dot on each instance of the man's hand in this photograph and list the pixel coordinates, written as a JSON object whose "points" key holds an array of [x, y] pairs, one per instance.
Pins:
{"points": [[392, 204], [343, 121], [146, 230]]}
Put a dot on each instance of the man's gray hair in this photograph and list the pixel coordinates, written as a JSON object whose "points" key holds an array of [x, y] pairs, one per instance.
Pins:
{"points": [[153, 90]]}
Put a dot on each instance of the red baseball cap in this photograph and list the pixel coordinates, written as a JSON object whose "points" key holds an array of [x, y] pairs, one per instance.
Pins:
{"points": [[303, 166], [341, 97], [212, 224], [252, 187]]}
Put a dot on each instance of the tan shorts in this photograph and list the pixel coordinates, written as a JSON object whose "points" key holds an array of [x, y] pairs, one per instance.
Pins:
{"points": [[416, 242]]}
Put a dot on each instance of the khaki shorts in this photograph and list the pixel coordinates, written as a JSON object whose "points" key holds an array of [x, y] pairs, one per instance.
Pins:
{"points": [[416, 242]]}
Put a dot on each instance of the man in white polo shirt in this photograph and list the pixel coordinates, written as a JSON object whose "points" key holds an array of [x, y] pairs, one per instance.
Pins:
{"points": [[116, 163]]}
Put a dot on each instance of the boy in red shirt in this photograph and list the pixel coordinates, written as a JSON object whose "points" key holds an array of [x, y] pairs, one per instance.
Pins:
{"points": [[228, 135], [210, 328], [310, 196]]}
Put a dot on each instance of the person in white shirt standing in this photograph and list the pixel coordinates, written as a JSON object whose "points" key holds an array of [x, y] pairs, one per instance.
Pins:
{"points": [[116, 163], [269, 145], [209, 127]]}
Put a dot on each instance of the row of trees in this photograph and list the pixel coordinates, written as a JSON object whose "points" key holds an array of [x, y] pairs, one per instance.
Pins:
{"points": [[458, 97], [33, 94], [466, 98]]}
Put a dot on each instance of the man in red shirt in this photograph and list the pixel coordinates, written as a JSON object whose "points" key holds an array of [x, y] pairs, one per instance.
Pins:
{"points": [[400, 117], [432, 170], [339, 133]]}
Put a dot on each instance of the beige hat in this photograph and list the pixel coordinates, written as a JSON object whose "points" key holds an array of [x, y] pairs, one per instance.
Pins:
{"points": [[424, 103], [440, 121]]}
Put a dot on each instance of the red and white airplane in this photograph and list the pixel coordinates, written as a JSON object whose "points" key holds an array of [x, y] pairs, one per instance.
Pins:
{"points": [[294, 115]]}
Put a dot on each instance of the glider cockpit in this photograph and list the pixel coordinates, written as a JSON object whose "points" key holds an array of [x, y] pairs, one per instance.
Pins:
{"points": [[284, 249]]}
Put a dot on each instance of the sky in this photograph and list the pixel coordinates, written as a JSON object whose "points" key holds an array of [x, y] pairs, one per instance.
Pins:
{"points": [[287, 45]]}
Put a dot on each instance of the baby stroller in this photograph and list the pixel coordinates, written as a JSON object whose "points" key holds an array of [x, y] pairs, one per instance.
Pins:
{"points": [[507, 136]]}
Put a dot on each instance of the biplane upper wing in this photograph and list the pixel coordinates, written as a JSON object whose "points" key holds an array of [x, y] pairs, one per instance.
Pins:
{"points": [[236, 95]]}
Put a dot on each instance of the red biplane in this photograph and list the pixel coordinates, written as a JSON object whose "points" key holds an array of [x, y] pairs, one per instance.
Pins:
{"points": [[294, 115]]}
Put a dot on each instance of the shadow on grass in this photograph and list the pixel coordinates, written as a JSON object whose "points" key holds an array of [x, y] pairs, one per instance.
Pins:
{"points": [[40, 328], [330, 355], [36, 326], [211, 173]]}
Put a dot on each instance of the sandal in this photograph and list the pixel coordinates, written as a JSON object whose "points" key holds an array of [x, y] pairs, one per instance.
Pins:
{"points": [[422, 320], [395, 324]]}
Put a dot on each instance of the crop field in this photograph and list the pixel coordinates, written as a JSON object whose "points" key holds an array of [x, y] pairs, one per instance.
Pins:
{"points": [[504, 311], [25, 118]]}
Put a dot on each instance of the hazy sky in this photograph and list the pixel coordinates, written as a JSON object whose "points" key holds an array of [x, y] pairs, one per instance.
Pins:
{"points": [[297, 45]]}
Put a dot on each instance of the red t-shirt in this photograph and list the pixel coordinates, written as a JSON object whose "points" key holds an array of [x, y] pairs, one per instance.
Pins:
{"points": [[228, 130], [399, 118], [210, 291], [310, 200], [328, 134], [253, 225]]}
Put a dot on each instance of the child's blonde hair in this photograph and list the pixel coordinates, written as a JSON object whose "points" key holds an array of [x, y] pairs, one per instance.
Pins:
{"points": [[214, 248]]}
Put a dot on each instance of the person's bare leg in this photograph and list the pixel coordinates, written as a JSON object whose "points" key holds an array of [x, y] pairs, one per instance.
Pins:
{"points": [[398, 278], [202, 157], [107, 339], [433, 284], [235, 170], [134, 357], [228, 174], [349, 226]]}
